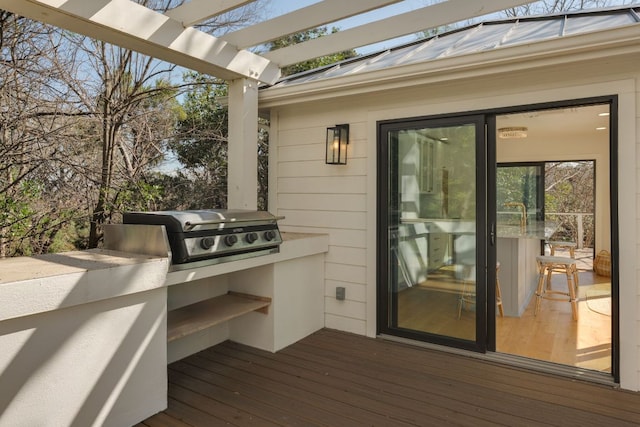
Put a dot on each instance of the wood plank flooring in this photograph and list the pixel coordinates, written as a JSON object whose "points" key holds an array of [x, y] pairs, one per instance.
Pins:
{"points": [[551, 336], [338, 379], [554, 336]]}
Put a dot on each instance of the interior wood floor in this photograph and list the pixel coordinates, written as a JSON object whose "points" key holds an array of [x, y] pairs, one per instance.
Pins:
{"points": [[551, 336], [554, 336]]}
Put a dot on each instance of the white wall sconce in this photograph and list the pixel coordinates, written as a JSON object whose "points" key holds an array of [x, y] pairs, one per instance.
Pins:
{"points": [[337, 141]]}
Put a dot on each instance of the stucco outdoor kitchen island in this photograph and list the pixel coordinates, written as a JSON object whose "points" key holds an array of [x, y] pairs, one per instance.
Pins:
{"points": [[82, 338], [84, 334]]}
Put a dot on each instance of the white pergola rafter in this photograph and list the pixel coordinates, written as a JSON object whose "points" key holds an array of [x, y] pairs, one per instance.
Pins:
{"points": [[130, 25], [432, 16], [197, 11], [313, 16]]}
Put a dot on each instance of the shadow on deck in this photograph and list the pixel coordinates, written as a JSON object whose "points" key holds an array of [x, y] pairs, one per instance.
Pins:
{"points": [[337, 379]]}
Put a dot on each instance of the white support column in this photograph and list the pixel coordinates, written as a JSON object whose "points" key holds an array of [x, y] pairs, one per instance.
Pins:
{"points": [[242, 183]]}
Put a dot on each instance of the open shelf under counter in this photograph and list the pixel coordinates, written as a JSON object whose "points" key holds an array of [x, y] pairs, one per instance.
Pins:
{"points": [[205, 314], [294, 245], [208, 304]]}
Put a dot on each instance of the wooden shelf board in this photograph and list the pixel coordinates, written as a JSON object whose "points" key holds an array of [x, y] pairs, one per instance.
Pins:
{"points": [[204, 314]]}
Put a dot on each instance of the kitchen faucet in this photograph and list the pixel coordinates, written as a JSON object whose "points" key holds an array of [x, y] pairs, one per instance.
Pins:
{"points": [[523, 214]]}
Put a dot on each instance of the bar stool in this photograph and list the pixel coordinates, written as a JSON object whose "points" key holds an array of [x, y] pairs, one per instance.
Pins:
{"points": [[469, 295], [498, 291], [564, 245], [572, 254], [546, 264]]}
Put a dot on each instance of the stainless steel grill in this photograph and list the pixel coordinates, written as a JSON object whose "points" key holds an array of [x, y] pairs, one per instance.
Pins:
{"points": [[209, 236]]}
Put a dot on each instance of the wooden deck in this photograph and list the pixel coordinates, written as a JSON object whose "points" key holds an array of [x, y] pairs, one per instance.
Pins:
{"points": [[338, 379]]}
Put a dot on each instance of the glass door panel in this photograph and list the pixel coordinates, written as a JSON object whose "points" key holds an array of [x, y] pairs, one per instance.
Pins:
{"points": [[433, 288]]}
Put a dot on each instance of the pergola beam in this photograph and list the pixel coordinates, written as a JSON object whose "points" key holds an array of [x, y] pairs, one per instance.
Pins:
{"points": [[197, 11], [132, 26], [316, 15], [433, 16]]}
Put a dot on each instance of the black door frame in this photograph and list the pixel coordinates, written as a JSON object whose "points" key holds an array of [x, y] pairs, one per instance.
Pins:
{"points": [[385, 267], [485, 174]]}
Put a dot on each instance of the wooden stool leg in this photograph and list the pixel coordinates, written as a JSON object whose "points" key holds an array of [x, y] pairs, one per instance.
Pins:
{"points": [[540, 289], [549, 273], [499, 297], [570, 271]]}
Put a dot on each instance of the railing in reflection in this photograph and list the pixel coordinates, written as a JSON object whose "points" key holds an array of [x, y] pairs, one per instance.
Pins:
{"points": [[580, 230]]}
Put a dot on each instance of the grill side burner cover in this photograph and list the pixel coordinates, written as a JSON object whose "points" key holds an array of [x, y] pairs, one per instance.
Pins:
{"points": [[211, 234]]}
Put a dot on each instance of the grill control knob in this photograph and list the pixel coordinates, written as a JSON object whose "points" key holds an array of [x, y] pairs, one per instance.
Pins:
{"points": [[207, 242], [251, 237], [269, 235], [230, 240]]}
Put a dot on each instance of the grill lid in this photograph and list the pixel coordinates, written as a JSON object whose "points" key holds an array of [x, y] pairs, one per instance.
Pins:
{"points": [[199, 220], [212, 235]]}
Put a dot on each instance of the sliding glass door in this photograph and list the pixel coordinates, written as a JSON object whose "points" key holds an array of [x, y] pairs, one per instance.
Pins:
{"points": [[431, 231]]}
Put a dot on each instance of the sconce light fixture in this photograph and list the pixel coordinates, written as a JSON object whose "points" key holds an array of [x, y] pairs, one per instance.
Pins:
{"points": [[337, 141]]}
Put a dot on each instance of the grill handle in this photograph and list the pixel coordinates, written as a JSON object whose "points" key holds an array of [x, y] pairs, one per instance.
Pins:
{"points": [[189, 225]]}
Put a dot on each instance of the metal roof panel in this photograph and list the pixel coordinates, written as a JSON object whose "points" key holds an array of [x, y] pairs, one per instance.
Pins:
{"points": [[477, 38]]}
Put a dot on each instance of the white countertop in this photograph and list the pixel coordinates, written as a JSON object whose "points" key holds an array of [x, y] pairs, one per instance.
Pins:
{"points": [[20, 269], [539, 230], [30, 285]]}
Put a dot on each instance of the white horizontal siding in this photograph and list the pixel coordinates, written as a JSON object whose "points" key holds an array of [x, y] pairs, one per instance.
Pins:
{"points": [[356, 310], [318, 168], [298, 153], [301, 137], [326, 219], [323, 185], [345, 255], [345, 273], [346, 202], [347, 324], [353, 291], [337, 237], [319, 198]]}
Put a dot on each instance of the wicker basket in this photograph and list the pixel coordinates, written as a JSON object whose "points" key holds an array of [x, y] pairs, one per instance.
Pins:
{"points": [[602, 263]]}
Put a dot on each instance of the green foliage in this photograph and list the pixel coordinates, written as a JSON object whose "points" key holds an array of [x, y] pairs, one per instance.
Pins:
{"points": [[200, 140], [200, 146], [137, 196], [25, 229], [518, 184], [16, 211]]}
